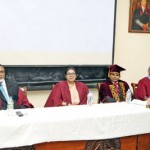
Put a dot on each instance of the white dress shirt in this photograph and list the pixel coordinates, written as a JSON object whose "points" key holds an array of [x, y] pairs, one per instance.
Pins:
{"points": [[3, 83]]}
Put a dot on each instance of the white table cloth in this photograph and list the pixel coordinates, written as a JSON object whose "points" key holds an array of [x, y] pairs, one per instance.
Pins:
{"points": [[99, 121]]}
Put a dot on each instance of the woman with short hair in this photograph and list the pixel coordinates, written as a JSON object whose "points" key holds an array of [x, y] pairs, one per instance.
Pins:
{"points": [[68, 92]]}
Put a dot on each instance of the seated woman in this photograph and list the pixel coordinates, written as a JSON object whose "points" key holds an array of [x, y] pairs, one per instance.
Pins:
{"points": [[114, 89], [69, 92]]}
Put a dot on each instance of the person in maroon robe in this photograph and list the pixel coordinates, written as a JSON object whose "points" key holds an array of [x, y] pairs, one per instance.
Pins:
{"points": [[143, 89], [114, 89], [9, 88], [69, 92]]}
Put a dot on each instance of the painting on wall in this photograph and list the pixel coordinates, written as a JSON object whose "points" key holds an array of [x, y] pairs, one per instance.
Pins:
{"points": [[139, 16]]}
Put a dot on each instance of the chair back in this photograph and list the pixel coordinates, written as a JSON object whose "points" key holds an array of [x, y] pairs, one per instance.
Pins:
{"points": [[98, 88], [24, 90], [53, 85], [134, 87]]}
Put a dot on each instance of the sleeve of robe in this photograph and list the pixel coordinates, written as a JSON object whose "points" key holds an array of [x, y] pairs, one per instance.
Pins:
{"points": [[141, 90], [105, 95], [55, 97], [102, 93], [23, 100]]}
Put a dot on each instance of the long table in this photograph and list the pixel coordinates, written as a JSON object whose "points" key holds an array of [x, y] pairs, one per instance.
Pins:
{"points": [[73, 123]]}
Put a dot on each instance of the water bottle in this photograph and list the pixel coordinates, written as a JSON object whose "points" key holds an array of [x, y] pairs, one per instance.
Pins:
{"points": [[89, 98], [148, 104], [10, 106], [128, 96]]}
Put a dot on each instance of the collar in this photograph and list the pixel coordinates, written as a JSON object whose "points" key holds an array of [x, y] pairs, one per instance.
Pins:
{"points": [[148, 77], [143, 8], [115, 82], [3, 83]]}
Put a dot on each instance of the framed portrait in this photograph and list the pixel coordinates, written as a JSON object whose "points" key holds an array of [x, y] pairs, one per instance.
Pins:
{"points": [[139, 16]]}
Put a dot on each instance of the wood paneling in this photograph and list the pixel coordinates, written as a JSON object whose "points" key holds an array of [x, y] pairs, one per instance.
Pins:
{"points": [[144, 142], [136, 142], [67, 145], [128, 143]]}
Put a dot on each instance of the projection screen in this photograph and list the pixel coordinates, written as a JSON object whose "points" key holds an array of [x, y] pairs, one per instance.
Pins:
{"points": [[56, 32]]}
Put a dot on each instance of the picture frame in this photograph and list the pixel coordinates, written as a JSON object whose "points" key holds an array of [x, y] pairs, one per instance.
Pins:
{"points": [[139, 16]]}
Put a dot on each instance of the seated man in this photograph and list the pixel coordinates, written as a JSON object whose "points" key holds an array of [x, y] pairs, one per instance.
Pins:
{"points": [[68, 92], [113, 90], [143, 89], [9, 88]]}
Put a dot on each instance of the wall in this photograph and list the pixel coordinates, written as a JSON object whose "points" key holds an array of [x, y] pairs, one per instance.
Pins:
{"points": [[132, 50]]}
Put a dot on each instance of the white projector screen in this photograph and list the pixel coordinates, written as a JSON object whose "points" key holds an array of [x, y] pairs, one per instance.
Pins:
{"points": [[56, 32]]}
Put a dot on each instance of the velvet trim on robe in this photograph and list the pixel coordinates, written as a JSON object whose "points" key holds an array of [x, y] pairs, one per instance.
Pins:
{"points": [[143, 89], [107, 92], [61, 93]]}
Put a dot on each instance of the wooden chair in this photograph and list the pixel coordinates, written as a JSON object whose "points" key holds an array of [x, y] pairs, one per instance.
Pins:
{"points": [[134, 87], [98, 88], [24, 90], [53, 85]]}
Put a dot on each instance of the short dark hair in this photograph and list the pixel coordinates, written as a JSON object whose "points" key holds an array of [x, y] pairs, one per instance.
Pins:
{"points": [[70, 68], [2, 66]]}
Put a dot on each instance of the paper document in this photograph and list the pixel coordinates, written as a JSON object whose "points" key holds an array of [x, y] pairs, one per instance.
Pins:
{"points": [[139, 102]]}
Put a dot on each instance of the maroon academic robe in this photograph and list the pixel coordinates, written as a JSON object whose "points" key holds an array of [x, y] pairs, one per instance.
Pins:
{"points": [[108, 93], [23, 100], [61, 93], [143, 89]]}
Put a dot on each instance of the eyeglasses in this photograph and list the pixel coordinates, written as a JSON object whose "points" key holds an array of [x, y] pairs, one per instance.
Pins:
{"points": [[115, 74], [71, 74], [2, 71]]}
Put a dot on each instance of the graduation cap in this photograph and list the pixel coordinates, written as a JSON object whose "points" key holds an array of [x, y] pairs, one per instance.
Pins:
{"points": [[114, 68]]}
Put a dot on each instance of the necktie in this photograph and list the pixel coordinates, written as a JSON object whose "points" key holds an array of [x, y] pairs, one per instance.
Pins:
{"points": [[3, 92], [116, 87]]}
